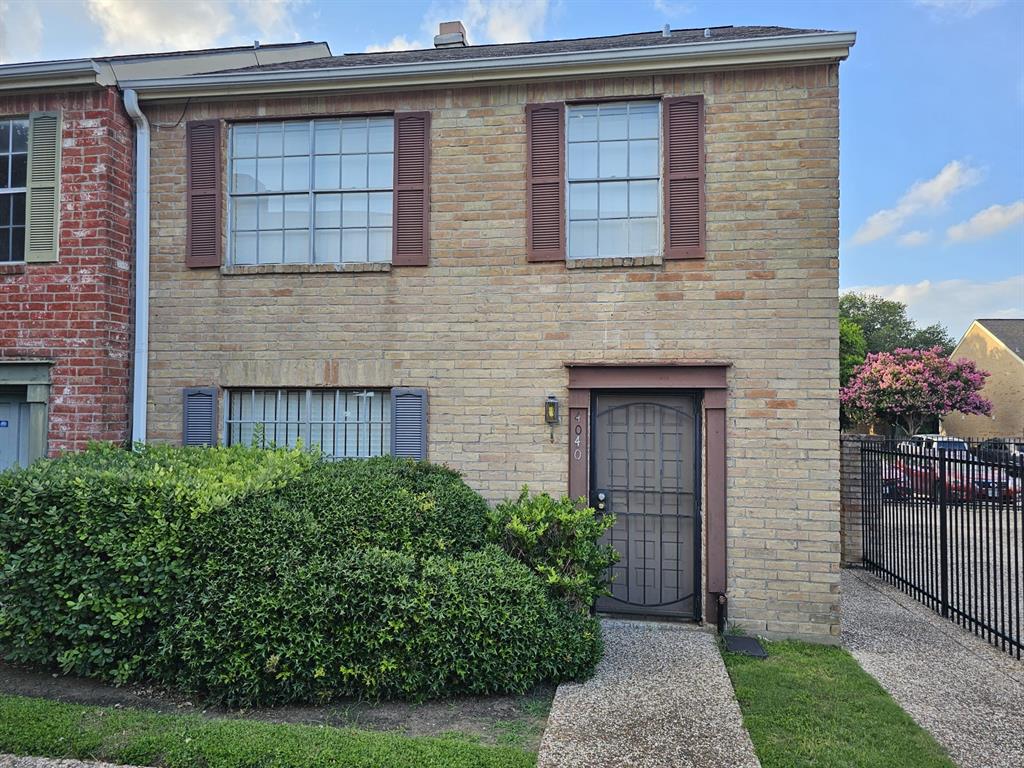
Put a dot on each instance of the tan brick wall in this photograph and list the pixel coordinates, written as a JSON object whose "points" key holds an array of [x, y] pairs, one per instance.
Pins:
{"points": [[488, 333], [1004, 387], [851, 505]]}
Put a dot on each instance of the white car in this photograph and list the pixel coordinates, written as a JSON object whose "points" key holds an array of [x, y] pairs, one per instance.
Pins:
{"points": [[933, 443]]}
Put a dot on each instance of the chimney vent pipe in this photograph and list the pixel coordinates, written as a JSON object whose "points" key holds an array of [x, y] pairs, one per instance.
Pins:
{"points": [[451, 34]]}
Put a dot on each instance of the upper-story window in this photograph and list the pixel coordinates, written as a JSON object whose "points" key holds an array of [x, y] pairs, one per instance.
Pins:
{"points": [[312, 191], [614, 177], [13, 175]]}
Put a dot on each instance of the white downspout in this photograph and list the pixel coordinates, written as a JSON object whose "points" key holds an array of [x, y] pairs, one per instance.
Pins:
{"points": [[140, 377]]}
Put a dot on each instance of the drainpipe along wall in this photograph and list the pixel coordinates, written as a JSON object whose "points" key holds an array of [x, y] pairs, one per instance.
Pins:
{"points": [[140, 369]]}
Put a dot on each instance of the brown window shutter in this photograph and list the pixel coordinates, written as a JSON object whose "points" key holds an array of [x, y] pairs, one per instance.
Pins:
{"points": [[684, 177], [203, 160], [411, 237], [545, 181]]}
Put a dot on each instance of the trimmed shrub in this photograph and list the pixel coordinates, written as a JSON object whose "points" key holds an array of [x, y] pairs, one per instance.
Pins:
{"points": [[262, 577], [309, 625], [397, 504], [559, 540], [93, 547]]}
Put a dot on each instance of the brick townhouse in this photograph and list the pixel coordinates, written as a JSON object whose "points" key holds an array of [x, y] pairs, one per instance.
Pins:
{"points": [[67, 245], [604, 267]]}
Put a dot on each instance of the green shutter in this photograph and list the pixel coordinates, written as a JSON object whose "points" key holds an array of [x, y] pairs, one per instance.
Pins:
{"points": [[42, 206]]}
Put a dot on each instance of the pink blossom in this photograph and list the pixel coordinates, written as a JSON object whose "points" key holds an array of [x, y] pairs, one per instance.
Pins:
{"points": [[910, 386]]}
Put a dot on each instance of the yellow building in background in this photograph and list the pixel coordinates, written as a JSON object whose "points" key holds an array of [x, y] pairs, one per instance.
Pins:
{"points": [[996, 346]]}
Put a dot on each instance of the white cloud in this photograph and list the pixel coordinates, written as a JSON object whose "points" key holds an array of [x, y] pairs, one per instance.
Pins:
{"points": [[273, 19], [915, 238], [958, 8], [160, 25], [673, 9], [169, 25], [504, 21], [397, 43], [955, 303], [988, 222], [923, 195], [21, 33]]}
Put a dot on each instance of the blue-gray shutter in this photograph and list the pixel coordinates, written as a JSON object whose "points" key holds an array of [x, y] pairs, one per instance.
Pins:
{"points": [[409, 422], [199, 419]]}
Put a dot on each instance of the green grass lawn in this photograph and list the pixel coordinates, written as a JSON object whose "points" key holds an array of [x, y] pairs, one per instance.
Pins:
{"points": [[40, 727], [813, 706]]}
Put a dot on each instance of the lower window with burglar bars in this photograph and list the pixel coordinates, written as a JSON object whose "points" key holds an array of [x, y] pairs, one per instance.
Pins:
{"points": [[343, 423]]}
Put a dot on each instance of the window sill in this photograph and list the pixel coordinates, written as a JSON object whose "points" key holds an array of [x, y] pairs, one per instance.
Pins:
{"points": [[303, 269], [13, 268], [607, 263]]}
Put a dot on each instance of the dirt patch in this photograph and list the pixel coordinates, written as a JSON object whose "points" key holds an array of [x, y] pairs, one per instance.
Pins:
{"points": [[508, 720]]}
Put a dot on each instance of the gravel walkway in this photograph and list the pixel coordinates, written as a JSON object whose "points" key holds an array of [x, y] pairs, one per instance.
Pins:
{"points": [[660, 697], [969, 695], [12, 761]]}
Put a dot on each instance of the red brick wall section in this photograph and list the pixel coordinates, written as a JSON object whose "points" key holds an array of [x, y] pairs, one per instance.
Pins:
{"points": [[78, 310]]}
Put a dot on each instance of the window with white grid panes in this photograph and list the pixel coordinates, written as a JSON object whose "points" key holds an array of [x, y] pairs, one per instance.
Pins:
{"points": [[312, 191], [613, 165], [343, 423], [13, 182]]}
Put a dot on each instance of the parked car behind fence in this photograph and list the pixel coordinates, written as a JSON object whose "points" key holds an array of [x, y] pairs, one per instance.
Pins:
{"points": [[925, 465], [1004, 451]]}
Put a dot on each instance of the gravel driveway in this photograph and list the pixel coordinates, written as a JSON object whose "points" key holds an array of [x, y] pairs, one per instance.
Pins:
{"points": [[968, 694]]}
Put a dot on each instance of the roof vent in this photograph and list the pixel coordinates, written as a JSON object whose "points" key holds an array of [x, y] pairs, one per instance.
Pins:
{"points": [[666, 31], [707, 32], [451, 34]]}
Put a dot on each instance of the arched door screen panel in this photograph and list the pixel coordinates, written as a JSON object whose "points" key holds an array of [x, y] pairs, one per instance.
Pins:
{"points": [[646, 463]]}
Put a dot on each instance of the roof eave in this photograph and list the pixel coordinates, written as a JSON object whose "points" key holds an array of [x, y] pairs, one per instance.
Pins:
{"points": [[730, 54], [74, 73]]}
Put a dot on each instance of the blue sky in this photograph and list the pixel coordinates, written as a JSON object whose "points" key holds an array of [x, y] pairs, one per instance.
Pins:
{"points": [[932, 102]]}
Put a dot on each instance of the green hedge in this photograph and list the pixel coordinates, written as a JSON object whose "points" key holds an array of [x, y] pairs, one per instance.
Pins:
{"points": [[93, 547], [413, 507], [257, 577], [287, 624]]}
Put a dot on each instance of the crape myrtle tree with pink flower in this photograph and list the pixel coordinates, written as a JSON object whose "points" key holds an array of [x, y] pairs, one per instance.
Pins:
{"points": [[909, 387]]}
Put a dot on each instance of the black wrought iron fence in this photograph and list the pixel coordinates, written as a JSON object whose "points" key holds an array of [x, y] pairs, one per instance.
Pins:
{"points": [[943, 520]]}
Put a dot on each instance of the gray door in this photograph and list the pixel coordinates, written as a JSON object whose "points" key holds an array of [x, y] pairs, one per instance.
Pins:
{"points": [[13, 428], [645, 462]]}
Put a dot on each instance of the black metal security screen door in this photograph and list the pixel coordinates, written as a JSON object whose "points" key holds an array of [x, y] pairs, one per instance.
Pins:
{"points": [[645, 461]]}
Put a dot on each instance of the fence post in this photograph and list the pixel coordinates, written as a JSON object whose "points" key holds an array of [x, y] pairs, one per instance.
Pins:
{"points": [[943, 534], [863, 506], [863, 517]]}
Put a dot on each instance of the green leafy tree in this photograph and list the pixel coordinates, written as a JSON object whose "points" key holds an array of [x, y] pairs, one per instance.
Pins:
{"points": [[887, 326], [852, 348]]}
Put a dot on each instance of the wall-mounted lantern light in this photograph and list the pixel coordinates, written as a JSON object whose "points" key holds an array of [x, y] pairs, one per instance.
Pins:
{"points": [[551, 410], [551, 413]]}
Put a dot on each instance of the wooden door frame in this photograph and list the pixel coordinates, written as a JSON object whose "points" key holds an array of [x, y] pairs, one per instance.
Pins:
{"points": [[708, 377]]}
